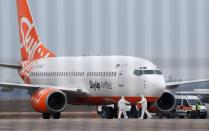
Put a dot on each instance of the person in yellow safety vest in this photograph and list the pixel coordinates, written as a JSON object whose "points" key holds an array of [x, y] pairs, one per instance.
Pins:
{"points": [[143, 102], [198, 107]]}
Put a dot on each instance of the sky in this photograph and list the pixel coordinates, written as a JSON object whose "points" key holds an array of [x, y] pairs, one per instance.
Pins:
{"points": [[173, 34]]}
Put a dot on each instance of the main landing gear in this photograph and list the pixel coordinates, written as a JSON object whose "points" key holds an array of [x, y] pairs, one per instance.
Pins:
{"points": [[48, 115], [111, 111]]}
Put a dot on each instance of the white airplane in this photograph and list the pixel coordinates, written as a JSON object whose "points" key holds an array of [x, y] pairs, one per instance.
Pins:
{"points": [[53, 82]]}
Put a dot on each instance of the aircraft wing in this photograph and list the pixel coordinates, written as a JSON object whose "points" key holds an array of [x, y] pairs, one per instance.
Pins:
{"points": [[31, 88], [173, 85], [11, 66], [192, 92]]}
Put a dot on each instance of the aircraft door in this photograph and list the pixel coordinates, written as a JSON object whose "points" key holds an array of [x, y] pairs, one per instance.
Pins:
{"points": [[121, 78], [121, 75]]}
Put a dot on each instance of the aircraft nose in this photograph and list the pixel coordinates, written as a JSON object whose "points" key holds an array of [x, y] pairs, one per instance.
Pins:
{"points": [[155, 86], [160, 83]]}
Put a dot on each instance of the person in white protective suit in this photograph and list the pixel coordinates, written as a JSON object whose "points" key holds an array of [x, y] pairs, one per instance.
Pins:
{"points": [[122, 105], [143, 103]]}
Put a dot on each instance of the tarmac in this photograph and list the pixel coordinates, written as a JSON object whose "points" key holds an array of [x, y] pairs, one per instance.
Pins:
{"points": [[36, 115], [92, 124], [21, 117], [25, 106]]}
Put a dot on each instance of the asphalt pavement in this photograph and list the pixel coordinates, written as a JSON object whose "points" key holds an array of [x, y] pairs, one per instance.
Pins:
{"points": [[92, 124]]}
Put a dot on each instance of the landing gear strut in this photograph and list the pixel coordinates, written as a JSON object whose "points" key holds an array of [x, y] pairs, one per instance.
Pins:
{"points": [[133, 113], [109, 112]]}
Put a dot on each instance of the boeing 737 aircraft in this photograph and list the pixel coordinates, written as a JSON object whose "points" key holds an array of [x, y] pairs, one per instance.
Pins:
{"points": [[53, 82]]}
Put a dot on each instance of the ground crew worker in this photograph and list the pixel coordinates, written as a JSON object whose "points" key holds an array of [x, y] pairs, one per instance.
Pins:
{"points": [[122, 105], [143, 103], [198, 107]]}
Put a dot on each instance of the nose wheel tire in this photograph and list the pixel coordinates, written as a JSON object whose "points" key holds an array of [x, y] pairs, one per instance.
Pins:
{"points": [[108, 112]]}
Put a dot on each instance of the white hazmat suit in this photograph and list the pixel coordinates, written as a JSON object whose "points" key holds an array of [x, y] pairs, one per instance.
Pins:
{"points": [[122, 107], [143, 102]]}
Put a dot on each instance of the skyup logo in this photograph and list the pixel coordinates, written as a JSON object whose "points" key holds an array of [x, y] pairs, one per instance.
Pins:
{"points": [[30, 41]]}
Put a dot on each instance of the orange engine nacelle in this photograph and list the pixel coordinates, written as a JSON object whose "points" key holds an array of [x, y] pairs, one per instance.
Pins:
{"points": [[49, 100]]}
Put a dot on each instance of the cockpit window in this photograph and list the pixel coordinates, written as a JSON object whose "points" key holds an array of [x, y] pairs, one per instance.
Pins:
{"points": [[147, 72], [138, 72], [159, 72]]}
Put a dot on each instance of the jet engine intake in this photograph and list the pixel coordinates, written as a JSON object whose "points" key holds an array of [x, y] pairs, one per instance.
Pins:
{"points": [[49, 100], [166, 102]]}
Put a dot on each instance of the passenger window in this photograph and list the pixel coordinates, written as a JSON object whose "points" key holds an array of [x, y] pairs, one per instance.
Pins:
{"points": [[109, 73]]}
